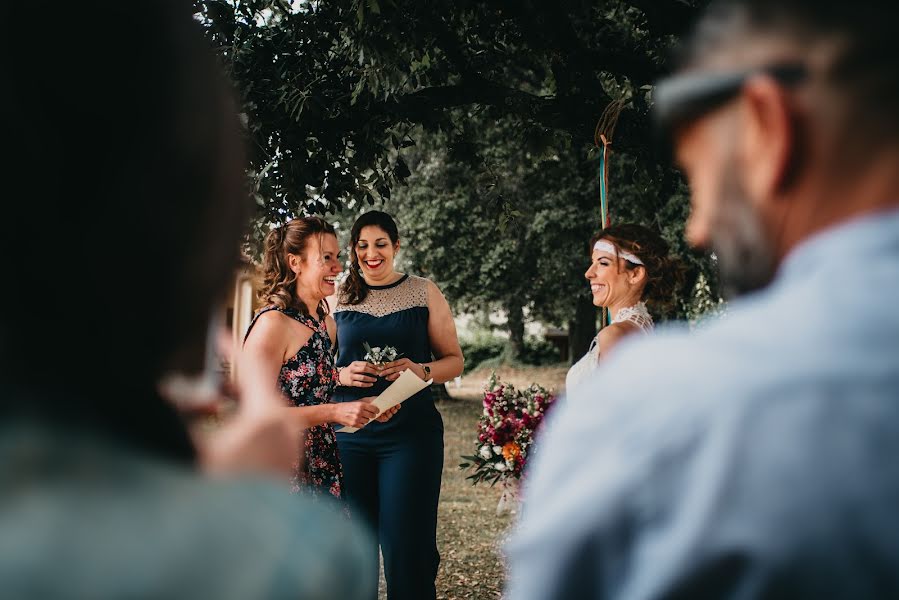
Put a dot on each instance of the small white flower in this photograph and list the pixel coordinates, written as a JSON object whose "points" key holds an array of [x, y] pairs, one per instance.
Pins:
{"points": [[485, 452], [498, 450], [500, 466]]}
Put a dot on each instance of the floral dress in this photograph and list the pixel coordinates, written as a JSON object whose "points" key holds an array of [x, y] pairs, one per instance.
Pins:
{"points": [[309, 379]]}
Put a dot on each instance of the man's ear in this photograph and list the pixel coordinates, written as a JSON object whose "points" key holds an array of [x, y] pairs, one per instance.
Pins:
{"points": [[769, 138]]}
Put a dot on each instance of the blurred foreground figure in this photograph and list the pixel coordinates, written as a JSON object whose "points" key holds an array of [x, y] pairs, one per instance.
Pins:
{"points": [[757, 457], [123, 210]]}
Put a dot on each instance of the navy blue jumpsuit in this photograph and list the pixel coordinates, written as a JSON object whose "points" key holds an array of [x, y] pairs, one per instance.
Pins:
{"points": [[392, 470]]}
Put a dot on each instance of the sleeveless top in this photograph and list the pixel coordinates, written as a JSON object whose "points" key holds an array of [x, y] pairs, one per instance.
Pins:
{"points": [[391, 315], [583, 369], [309, 379]]}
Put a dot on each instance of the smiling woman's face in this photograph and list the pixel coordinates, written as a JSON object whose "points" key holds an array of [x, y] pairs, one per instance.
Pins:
{"points": [[608, 278], [375, 253]]}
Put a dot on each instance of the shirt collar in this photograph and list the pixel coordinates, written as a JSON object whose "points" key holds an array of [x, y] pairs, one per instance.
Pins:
{"points": [[866, 237]]}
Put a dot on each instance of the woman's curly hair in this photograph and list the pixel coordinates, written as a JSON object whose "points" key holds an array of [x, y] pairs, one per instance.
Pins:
{"points": [[664, 272], [278, 279]]}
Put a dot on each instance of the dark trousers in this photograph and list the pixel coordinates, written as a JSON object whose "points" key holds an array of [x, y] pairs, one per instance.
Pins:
{"points": [[393, 485]]}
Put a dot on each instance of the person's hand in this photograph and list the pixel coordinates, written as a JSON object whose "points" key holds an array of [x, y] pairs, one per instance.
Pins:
{"points": [[387, 414], [358, 374], [393, 370], [251, 442], [355, 414]]}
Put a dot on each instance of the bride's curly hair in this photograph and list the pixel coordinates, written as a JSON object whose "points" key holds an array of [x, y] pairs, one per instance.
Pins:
{"points": [[278, 279], [664, 272]]}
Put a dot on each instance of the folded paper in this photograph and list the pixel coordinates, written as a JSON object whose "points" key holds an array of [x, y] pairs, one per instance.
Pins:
{"points": [[406, 385]]}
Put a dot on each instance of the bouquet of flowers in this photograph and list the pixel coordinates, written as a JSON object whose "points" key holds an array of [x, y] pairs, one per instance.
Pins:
{"points": [[379, 356], [506, 430]]}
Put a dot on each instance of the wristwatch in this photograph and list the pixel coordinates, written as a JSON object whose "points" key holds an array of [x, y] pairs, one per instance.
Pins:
{"points": [[426, 369]]}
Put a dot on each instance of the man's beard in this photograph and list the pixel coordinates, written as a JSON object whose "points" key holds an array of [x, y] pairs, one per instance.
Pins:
{"points": [[744, 251]]}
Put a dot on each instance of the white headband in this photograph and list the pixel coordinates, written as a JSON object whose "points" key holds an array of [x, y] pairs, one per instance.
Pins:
{"points": [[604, 246]]}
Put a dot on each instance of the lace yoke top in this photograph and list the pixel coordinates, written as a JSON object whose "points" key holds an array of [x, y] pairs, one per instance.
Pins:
{"points": [[391, 315], [582, 369]]}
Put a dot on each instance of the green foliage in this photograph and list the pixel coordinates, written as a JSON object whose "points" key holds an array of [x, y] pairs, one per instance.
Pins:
{"points": [[703, 303], [451, 213], [538, 352], [487, 350], [331, 89], [472, 122], [480, 348]]}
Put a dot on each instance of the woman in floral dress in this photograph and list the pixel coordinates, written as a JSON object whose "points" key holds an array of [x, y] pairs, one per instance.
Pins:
{"points": [[290, 342]]}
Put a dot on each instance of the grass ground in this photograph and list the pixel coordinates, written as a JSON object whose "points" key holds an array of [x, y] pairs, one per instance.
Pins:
{"points": [[469, 533]]}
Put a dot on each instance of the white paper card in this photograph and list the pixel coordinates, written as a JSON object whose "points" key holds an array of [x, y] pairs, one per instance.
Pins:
{"points": [[406, 385]]}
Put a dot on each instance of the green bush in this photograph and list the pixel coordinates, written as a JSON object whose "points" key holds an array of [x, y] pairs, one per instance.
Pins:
{"points": [[482, 347], [486, 350], [538, 352]]}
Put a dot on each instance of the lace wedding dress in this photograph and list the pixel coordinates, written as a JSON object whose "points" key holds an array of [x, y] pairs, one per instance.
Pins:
{"points": [[583, 369]]}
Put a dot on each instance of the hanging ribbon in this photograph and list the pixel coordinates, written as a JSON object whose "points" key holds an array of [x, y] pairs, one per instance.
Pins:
{"points": [[602, 137], [603, 179]]}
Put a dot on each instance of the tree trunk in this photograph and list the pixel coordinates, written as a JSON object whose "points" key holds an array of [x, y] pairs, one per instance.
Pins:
{"points": [[515, 321], [581, 329]]}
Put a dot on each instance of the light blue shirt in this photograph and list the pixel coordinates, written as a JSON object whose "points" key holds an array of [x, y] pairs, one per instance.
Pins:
{"points": [[757, 457], [83, 517]]}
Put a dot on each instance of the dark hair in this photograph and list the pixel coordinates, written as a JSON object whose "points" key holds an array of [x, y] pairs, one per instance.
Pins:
{"points": [[866, 68], [279, 281], [124, 212], [664, 273], [354, 289]]}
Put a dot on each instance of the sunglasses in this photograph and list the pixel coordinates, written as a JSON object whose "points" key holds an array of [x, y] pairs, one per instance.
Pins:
{"points": [[682, 98]]}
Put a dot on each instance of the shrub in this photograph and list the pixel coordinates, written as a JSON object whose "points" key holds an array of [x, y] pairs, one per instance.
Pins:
{"points": [[491, 351]]}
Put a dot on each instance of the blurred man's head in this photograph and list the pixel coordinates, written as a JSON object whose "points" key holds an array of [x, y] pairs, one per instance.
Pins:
{"points": [[784, 119]]}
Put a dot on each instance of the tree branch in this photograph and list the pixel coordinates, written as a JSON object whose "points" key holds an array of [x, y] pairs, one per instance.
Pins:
{"points": [[667, 16], [576, 115]]}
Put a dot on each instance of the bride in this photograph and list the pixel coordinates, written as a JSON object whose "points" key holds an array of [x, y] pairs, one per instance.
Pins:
{"points": [[630, 267]]}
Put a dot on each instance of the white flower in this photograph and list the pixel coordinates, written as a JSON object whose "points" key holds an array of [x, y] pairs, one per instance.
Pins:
{"points": [[485, 452], [498, 450], [378, 355], [500, 466]]}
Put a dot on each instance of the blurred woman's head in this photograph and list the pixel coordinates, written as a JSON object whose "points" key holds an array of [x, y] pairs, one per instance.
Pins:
{"points": [[125, 206]]}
